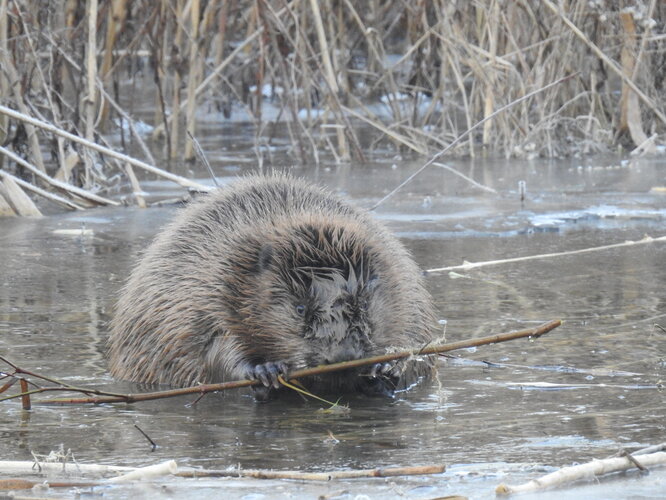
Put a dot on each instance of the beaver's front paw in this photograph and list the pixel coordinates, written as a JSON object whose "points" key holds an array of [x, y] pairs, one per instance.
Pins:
{"points": [[382, 379], [391, 369], [268, 373]]}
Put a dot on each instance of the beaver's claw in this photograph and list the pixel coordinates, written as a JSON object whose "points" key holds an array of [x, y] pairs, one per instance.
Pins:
{"points": [[268, 373], [383, 379], [390, 370]]}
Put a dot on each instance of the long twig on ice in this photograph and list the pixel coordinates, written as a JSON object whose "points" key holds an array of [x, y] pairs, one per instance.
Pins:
{"points": [[103, 397], [473, 265]]}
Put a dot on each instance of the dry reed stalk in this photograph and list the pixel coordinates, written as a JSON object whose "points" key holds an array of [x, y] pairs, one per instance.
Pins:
{"points": [[136, 186], [176, 65], [4, 54], [194, 76], [90, 98], [83, 196], [608, 61], [630, 108]]}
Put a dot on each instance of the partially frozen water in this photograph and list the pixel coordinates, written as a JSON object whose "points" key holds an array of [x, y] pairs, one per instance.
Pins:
{"points": [[503, 413]]}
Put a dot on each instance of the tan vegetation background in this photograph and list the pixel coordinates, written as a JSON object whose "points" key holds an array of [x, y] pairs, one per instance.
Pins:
{"points": [[437, 67]]}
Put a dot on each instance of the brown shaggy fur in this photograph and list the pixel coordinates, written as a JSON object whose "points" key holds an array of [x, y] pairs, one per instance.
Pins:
{"points": [[271, 270]]}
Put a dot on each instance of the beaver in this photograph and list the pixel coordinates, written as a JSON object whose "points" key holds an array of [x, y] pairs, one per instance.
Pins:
{"points": [[269, 275]]}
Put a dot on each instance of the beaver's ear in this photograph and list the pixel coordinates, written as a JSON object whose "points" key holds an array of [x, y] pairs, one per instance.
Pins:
{"points": [[265, 257]]}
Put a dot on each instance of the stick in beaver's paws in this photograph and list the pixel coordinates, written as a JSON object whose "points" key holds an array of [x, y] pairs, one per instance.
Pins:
{"points": [[271, 268]]}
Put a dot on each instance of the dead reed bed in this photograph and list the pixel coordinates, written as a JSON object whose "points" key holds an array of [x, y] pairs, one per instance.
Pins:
{"points": [[414, 75]]}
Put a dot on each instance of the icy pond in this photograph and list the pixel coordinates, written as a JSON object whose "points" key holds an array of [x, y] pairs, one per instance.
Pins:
{"points": [[502, 413]]}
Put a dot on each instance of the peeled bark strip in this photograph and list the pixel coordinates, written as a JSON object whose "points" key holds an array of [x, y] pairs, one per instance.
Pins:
{"points": [[150, 472], [589, 470]]}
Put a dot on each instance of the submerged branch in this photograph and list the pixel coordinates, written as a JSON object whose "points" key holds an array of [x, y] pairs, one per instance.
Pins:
{"points": [[105, 397]]}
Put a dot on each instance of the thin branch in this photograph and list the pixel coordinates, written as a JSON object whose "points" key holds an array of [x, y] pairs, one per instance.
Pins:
{"points": [[103, 397], [473, 265], [202, 158]]}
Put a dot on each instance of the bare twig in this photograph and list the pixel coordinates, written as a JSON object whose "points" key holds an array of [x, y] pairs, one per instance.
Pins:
{"points": [[473, 265], [102, 397], [152, 443]]}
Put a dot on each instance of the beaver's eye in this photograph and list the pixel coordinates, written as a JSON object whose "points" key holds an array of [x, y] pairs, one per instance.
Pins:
{"points": [[300, 310]]}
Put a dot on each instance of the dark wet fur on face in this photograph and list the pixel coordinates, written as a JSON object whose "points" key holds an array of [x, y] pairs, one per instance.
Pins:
{"points": [[267, 276]]}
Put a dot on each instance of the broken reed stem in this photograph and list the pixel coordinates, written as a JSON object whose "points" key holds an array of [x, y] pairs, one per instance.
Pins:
{"points": [[103, 397], [39, 191], [60, 185], [104, 150]]}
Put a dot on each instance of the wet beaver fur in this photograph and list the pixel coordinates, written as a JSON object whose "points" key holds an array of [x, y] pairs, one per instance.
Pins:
{"points": [[266, 276]]}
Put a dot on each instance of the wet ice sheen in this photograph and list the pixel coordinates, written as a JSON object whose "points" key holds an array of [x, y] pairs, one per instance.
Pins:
{"points": [[57, 293]]}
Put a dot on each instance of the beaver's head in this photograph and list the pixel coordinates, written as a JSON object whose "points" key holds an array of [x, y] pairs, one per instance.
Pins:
{"points": [[315, 295]]}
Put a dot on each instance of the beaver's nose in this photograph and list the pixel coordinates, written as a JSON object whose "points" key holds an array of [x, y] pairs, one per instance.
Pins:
{"points": [[344, 351]]}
